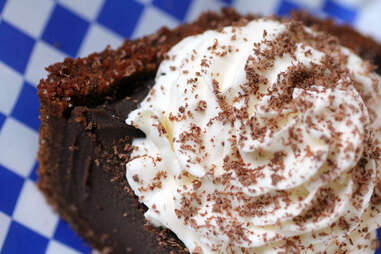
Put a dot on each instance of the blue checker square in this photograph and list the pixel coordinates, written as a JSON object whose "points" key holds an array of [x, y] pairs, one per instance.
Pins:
{"points": [[176, 8], [16, 47], [65, 30], [2, 3], [66, 235], [228, 2], [10, 187], [21, 239], [341, 12], [33, 175], [286, 7], [27, 108], [121, 16], [2, 120]]}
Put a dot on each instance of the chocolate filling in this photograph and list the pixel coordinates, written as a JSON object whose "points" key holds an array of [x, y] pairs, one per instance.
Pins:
{"points": [[91, 148]]}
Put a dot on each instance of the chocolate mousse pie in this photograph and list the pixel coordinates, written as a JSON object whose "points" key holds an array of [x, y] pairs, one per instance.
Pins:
{"points": [[231, 134]]}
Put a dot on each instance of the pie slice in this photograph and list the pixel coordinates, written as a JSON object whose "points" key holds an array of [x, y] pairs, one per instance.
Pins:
{"points": [[85, 143]]}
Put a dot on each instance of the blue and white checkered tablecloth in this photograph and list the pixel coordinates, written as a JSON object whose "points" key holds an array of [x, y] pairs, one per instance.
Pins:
{"points": [[36, 33]]}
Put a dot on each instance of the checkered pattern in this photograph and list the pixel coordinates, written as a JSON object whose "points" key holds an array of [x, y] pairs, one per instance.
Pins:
{"points": [[36, 33]]}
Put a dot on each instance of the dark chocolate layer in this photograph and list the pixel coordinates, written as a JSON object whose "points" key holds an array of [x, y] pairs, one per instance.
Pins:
{"points": [[91, 148]]}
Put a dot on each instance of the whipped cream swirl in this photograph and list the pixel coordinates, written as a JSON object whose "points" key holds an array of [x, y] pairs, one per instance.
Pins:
{"points": [[261, 138]]}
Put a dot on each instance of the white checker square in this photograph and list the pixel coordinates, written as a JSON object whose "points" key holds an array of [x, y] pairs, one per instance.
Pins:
{"points": [[55, 247], [366, 19], [5, 222], [33, 211], [313, 4], [87, 8], [42, 56], [97, 38], [153, 19], [18, 147], [199, 6], [10, 86], [267, 7], [29, 16]]}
